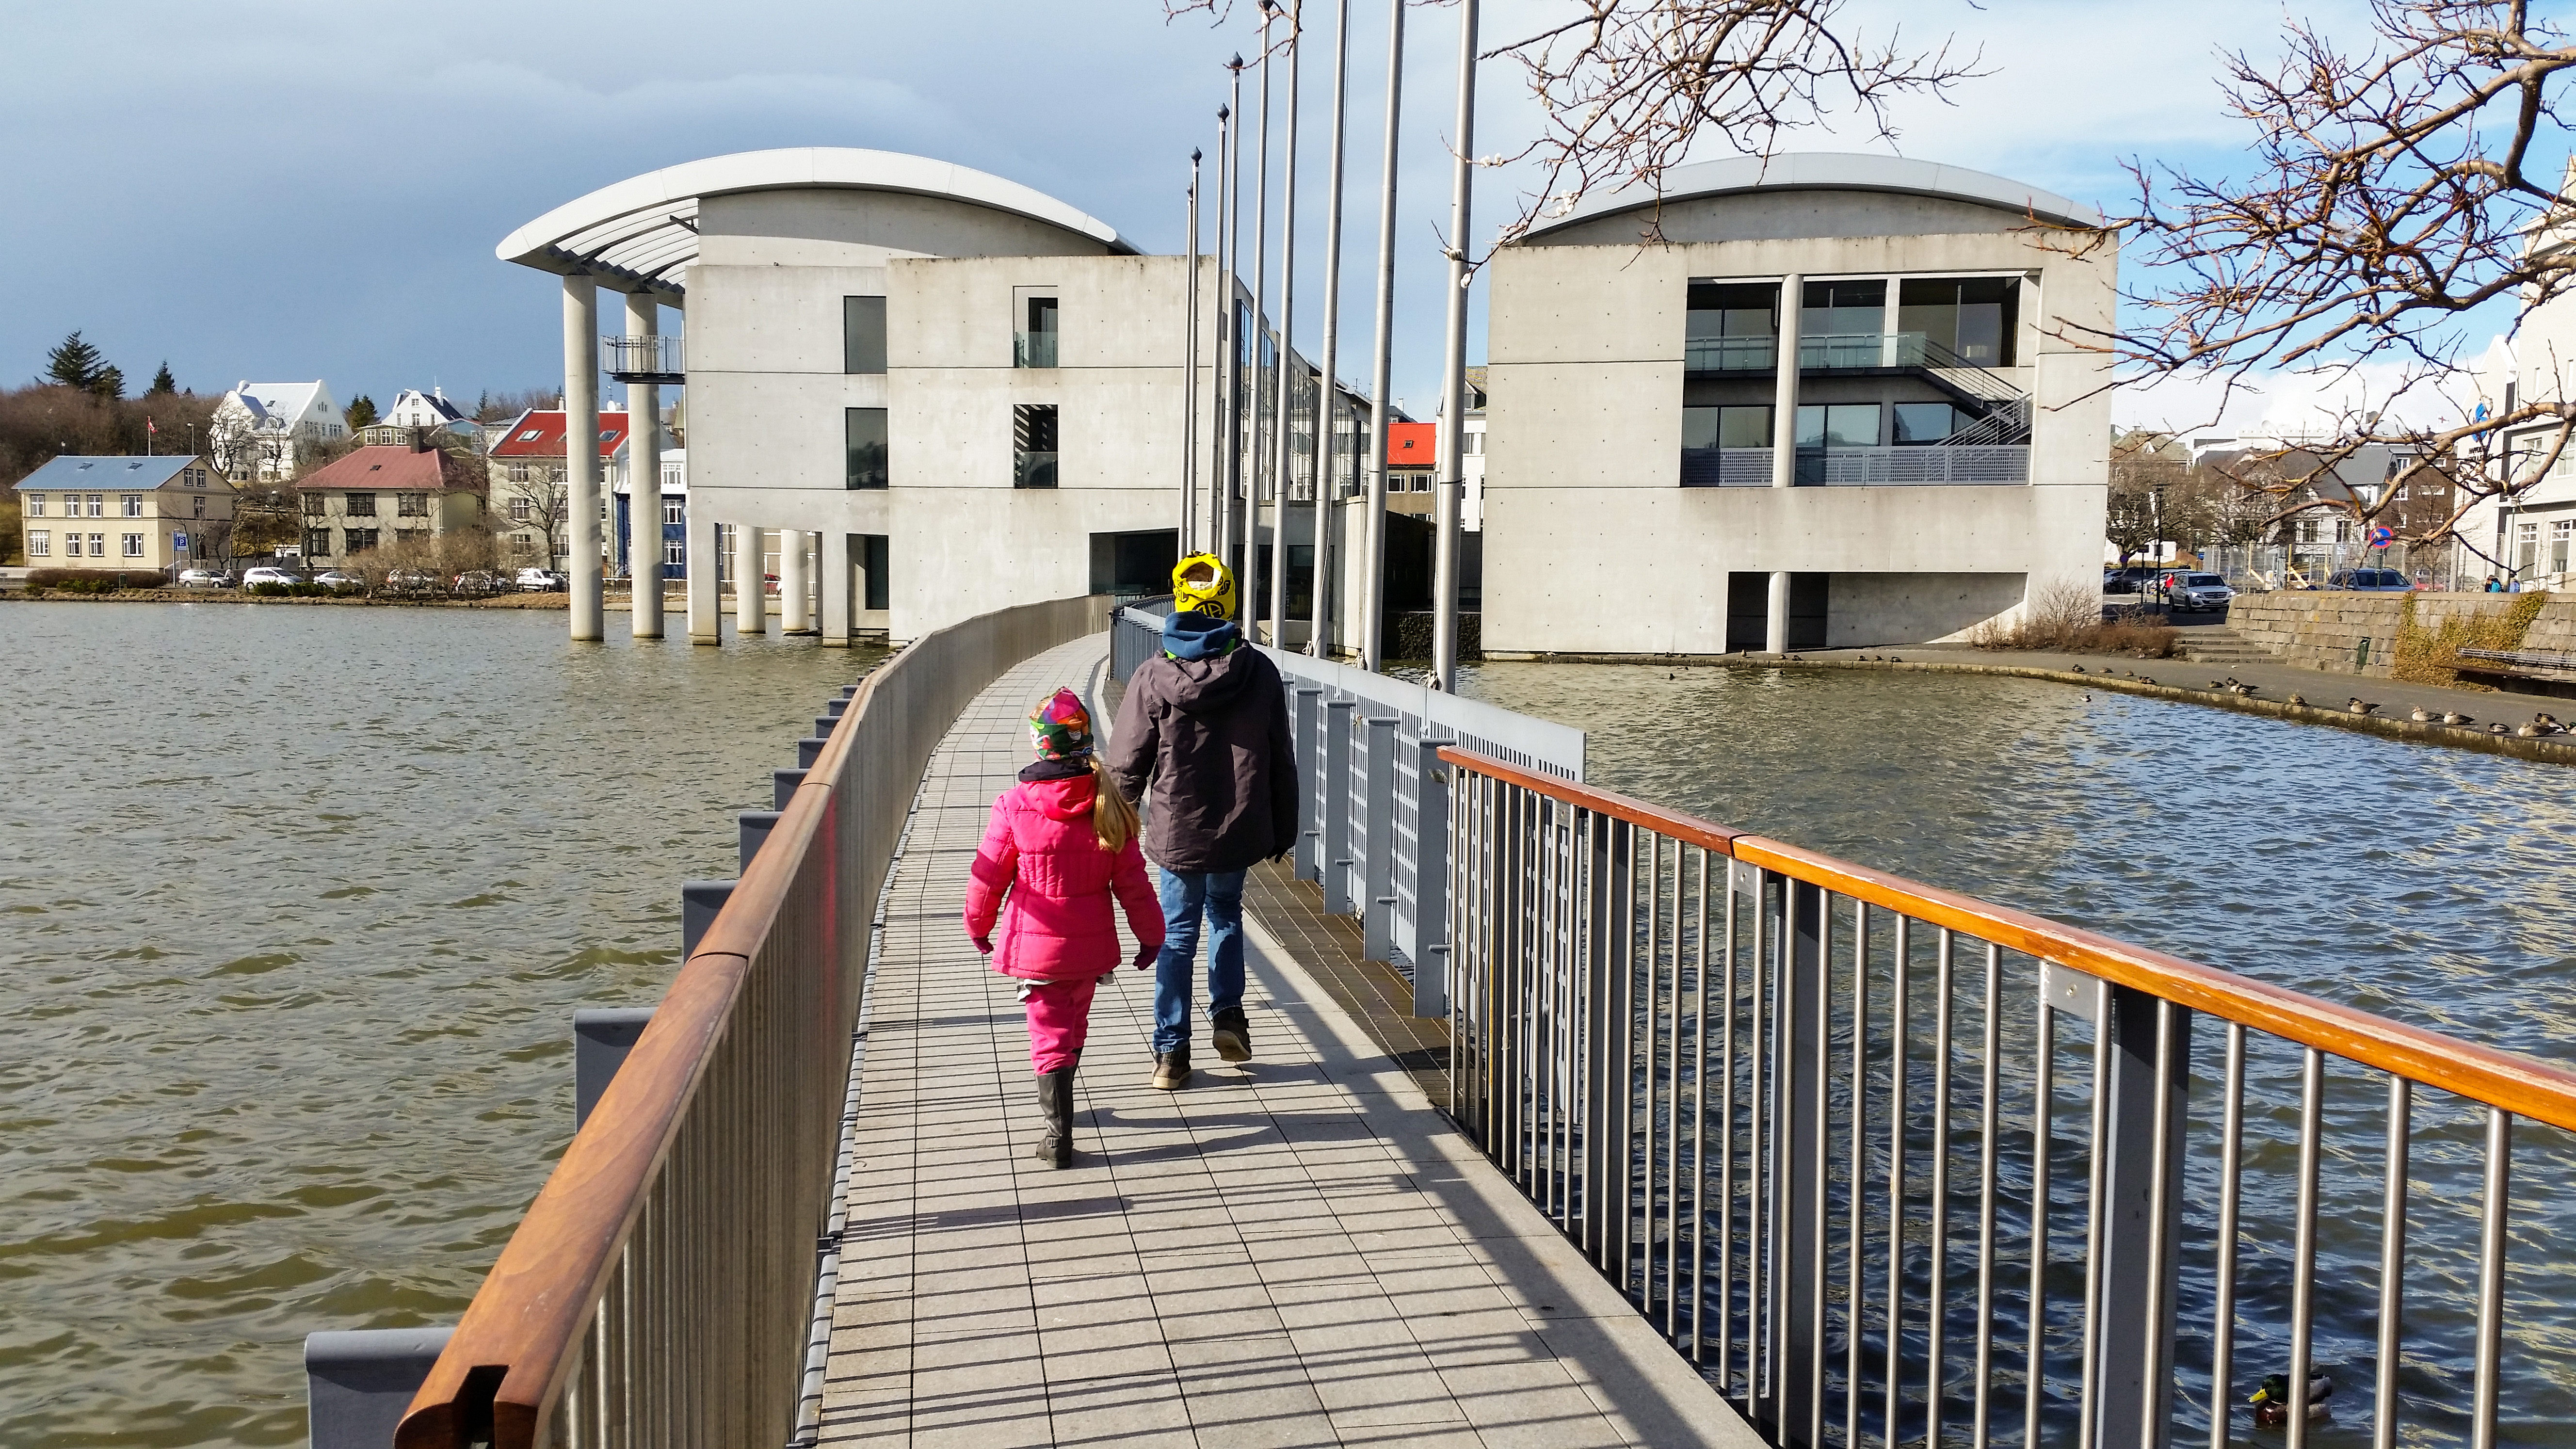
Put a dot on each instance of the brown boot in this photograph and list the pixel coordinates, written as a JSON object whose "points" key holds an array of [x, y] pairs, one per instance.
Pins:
{"points": [[1172, 1068]]}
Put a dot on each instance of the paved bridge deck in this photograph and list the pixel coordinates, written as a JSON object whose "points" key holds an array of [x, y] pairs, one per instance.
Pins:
{"points": [[1297, 1252]]}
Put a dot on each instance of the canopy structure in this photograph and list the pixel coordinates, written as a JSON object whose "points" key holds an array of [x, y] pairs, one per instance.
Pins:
{"points": [[1833, 171], [641, 234]]}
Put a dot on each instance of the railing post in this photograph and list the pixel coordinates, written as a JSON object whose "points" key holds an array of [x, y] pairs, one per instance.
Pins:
{"points": [[358, 1382], [1336, 810], [1377, 889], [601, 1038], [2138, 1267], [699, 902], [783, 785], [1310, 830], [1792, 1418], [1600, 1151], [1430, 947], [752, 828]]}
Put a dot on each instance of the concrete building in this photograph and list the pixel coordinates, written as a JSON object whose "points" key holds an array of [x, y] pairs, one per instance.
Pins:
{"points": [[123, 512], [384, 496], [1935, 454], [265, 431], [951, 392]]}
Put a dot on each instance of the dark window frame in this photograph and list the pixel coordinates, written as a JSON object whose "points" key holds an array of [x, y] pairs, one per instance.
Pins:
{"points": [[866, 450]]}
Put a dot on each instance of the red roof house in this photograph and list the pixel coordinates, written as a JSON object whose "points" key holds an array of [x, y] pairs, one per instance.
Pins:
{"points": [[1413, 445]]}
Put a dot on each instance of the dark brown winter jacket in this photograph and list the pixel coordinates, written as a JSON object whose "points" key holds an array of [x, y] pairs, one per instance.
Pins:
{"points": [[1207, 734]]}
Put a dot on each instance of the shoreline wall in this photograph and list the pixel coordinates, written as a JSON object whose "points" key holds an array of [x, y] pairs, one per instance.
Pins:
{"points": [[2324, 631]]}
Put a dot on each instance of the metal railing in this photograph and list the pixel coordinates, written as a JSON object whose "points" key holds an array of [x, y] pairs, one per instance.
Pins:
{"points": [[1732, 1071], [1374, 826], [661, 1289], [632, 358], [1921, 464]]}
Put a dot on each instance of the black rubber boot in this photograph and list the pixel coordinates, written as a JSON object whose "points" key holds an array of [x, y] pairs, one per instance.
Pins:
{"points": [[1055, 1099]]}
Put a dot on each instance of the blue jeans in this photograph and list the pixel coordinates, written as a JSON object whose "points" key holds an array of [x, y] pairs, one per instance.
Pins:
{"points": [[1220, 895]]}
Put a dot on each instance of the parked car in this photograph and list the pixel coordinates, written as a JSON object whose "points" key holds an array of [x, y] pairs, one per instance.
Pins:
{"points": [[269, 574], [340, 579], [206, 578], [2126, 581], [410, 581], [540, 581], [477, 583], [2195, 593], [2369, 581]]}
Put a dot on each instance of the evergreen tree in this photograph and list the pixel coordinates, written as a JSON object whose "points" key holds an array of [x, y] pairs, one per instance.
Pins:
{"points": [[74, 364], [360, 412], [163, 382], [109, 383]]}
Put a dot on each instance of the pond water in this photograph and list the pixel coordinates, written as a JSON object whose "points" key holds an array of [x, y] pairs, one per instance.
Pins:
{"points": [[296, 904]]}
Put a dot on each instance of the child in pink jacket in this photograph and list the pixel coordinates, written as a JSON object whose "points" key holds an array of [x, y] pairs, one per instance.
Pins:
{"points": [[1062, 842]]}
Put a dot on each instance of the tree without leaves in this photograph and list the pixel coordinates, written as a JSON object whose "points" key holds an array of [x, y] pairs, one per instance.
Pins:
{"points": [[2393, 190]]}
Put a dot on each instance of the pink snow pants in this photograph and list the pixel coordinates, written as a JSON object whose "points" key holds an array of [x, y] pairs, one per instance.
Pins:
{"points": [[1059, 1021]]}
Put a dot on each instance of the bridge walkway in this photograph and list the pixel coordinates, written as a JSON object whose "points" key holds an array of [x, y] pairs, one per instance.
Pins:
{"points": [[1300, 1251]]}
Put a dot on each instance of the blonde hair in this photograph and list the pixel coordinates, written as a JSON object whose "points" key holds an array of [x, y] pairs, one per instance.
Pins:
{"points": [[1112, 818]]}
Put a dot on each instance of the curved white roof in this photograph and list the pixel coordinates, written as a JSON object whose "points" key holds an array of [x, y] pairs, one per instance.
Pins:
{"points": [[645, 227], [1834, 171]]}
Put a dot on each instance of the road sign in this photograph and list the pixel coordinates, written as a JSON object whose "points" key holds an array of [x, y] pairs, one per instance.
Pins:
{"points": [[2381, 537]]}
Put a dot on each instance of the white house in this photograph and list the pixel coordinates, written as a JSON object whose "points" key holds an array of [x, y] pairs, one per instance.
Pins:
{"points": [[432, 410], [266, 430]]}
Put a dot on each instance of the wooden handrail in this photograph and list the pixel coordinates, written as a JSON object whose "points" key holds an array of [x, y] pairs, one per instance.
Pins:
{"points": [[527, 1318], [2524, 1086]]}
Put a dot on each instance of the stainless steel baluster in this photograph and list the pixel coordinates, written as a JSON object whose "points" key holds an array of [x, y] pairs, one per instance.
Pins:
{"points": [[1819, 1225], [1936, 1336], [1624, 985], [2231, 1157], [1856, 1195], [2043, 1093], [1653, 1006], [2152, 1428], [2088, 1431], [1726, 1164], [1989, 1122], [1699, 1130], [2392, 1264], [2303, 1266], [2491, 1244], [1673, 1114], [1761, 1271], [1900, 991]]}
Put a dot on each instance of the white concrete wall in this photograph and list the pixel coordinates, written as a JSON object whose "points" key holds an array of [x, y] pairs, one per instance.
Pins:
{"points": [[1592, 545]]}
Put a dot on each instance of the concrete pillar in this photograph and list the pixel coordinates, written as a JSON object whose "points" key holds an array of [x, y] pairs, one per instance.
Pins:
{"points": [[644, 478], [1775, 634], [834, 577], [1784, 394], [706, 610], [795, 583], [581, 449], [750, 597]]}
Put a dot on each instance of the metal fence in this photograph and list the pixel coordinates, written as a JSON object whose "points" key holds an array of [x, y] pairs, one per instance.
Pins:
{"points": [[1989, 464], [661, 1289], [2264, 567], [1816, 1121], [1375, 814]]}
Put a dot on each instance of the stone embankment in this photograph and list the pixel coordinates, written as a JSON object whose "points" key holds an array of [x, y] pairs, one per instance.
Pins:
{"points": [[2380, 635]]}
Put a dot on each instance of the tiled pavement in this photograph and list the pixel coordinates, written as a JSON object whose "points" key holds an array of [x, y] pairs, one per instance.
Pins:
{"points": [[1296, 1252]]}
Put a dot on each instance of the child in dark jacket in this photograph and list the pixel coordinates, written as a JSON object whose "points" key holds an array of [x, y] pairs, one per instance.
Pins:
{"points": [[1061, 845]]}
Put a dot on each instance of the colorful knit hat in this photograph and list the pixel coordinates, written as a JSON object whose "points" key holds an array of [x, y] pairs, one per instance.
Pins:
{"points": [[1061, 729]]}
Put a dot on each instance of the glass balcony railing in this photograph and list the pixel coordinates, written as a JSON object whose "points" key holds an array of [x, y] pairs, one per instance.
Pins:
{"points": [[1932, 464], [1729, 354], [1033, 349], [1033, 470]]}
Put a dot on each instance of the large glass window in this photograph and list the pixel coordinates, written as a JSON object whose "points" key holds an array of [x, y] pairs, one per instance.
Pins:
{"points": [[1033, 442], [1964, 321], [1730, 326], [133, 545], [362, 505], [874, 551], [40, 544], [1037, 334], [1919, 422], [1843, 309], [1838, 425], [863, 334], [864, 436]]}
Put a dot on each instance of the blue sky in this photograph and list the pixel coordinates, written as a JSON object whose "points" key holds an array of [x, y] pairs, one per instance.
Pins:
{"points": [[285, 190]]}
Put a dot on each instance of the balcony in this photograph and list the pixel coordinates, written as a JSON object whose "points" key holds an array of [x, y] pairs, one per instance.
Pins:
{"points": [[1990, 465], [654, 359], [1033, 349]]}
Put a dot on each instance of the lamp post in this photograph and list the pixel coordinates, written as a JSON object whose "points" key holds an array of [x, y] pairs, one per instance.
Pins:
{"points": [[1248, 568], [1228, 459], [1453, 372], [1382, 351], [1283, 467], [1190, 377]]}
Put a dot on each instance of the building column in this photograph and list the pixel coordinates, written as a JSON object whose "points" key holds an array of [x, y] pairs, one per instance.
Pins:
{"points": [[833, 579], [1775, 633], [644, 478], [706, 610], [1784, 393], [795, 583], [750, 595], [581, 450]]}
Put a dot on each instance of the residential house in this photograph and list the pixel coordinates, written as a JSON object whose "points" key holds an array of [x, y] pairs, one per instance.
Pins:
{"points": [[675, 517], [528, 487], [382, 495], [123, 512], [2525, 533], [1412, 458], [434, 411], [267, 431], [1471, 456]]}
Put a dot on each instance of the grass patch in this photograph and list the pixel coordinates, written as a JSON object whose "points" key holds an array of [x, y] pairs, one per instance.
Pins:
{"points": [[2432, 656]]}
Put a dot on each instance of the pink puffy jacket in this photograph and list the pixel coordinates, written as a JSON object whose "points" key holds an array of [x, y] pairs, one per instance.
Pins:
{"points": [[1057, 924]]}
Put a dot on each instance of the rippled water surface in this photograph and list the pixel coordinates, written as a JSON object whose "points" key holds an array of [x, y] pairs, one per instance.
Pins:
{"points": [[295, 906], [2427, 884]]}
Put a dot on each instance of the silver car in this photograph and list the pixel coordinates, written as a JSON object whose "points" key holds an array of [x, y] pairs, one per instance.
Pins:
{"points": [[2198, 593]]}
